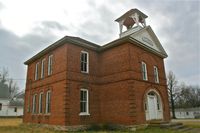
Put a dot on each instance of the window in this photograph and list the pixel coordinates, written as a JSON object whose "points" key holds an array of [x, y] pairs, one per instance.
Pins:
{"points": [[145, 105], [84, 62], [48, 102], [15, 109], [187, 113], [84, 108], [42, 68], [36, 71], [156, 78], [144, 71], [34, 104], [40, 102], [0, 106], [50, 64], [158, 104]]}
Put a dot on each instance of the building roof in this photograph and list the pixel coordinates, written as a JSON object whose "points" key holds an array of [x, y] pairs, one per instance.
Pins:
{"points": [[4, 91], [67, 39], [84, 43], [16, 102], [130, 12]]}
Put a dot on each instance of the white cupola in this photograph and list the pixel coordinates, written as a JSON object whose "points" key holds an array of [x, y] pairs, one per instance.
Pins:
{"points": [[133, 20]]}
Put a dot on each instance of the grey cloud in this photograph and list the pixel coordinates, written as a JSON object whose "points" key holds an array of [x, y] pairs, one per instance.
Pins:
{"points": [[180, 27], [183, 39], [98, 26], [12, 57], [1, 6], [53, 25], [15, 50], [181, 35]]}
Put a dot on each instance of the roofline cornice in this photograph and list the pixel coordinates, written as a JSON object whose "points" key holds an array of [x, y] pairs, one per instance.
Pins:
{"points": [[58, 43], [94, 47]]}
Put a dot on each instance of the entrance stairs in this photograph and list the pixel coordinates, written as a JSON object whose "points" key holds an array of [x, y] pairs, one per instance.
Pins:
{"points": [[177, 126]]}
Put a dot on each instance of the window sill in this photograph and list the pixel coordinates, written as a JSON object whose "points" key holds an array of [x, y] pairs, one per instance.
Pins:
{"points": [[83, 114], [47, 114], [84, 72]]}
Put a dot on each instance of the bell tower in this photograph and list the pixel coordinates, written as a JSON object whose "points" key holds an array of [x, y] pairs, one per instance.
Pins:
{"points": [[133, 20]]}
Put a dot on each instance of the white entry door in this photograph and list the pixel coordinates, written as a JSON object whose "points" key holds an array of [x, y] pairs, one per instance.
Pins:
{"points": [[152, 107]]}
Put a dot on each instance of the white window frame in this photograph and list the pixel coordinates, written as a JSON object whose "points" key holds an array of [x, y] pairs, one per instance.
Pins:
{"points": [[37, 71], [87, 102], [144, 71], [156, 77], [43, 68], [87, 62], [48, 102], [50, 64], [40, 109], [34, 104]]}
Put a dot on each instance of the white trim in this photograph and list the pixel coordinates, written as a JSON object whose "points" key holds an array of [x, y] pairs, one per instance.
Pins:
{"points": [[43, 68], [48, 93], [156, 77], [144, 71], [83, 113], [159, 113], [40, 103], [36, 71], [87, 103], [87, 63], [50, 64], [34, 104]]}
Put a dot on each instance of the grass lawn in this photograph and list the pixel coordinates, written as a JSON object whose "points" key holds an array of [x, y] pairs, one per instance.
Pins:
{"points": [[194, 123], [14, 125]]}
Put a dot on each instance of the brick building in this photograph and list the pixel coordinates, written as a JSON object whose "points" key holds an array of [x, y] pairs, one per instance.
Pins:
{"points": [[76, 82]]}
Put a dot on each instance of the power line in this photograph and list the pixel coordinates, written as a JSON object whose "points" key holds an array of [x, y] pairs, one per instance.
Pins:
{"points": [[13, 79], [17, 79]]}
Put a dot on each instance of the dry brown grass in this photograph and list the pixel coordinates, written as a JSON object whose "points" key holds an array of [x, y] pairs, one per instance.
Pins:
{"points": [[195, 124], [14, 125], [10, 122]]}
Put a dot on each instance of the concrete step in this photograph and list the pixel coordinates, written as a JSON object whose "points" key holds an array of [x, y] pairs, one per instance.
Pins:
{"points": [[177, 127], [171, 124], [185, 129], [157, 123]]}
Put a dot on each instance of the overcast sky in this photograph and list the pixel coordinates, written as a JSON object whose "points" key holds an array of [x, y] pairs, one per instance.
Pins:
{"points": [[28, 26]]}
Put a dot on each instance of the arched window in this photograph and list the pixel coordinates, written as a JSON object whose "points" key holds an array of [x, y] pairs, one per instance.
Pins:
{"points": [[40, 102], [34, 104], [152, 93], [144, 71], [48, 102]]}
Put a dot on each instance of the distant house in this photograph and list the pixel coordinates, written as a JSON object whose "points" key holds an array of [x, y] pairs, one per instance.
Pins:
{"points": [[10, 107], [187, 113]]}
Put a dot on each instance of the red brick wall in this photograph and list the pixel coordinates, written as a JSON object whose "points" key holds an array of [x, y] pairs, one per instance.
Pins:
{"points": [[55, 82], [116, 88], [77, 80]]}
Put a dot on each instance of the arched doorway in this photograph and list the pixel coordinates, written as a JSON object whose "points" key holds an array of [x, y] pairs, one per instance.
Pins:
{"points": [[153, 105]]}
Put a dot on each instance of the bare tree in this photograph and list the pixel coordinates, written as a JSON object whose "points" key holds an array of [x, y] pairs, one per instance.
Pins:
{"points": [[189, 97], [172, 90], [3, 76], [8, 83]]}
